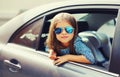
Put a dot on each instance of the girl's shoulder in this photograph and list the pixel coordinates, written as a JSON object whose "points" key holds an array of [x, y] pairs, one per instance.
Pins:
{"points": [[77, 39]]}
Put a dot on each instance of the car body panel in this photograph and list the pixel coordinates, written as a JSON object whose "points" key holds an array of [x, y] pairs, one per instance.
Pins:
{"points": [[21, 61], [114, 64], [38, 64], [43, 65]]}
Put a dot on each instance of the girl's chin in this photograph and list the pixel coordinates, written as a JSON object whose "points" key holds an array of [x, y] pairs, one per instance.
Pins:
{"points": [[65, 43]]}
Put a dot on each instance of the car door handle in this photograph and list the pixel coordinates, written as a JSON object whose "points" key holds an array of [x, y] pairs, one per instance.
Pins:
{"points": [[13, 65]]}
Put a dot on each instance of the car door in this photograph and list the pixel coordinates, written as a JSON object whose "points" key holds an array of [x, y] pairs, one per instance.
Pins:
{"points": [[23, 62], [19, 57]]}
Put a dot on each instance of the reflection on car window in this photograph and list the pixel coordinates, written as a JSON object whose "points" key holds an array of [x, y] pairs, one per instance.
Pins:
{"points": [[111, 22], [80, 16], [108, 25], [28, 35]]}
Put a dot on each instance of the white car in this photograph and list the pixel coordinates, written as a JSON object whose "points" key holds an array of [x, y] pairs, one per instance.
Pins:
{"points": [[22, 40]]}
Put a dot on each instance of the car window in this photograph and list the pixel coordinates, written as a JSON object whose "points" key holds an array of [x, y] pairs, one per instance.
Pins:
{"points": [[28, 35], [91, 20], [108, 28]]}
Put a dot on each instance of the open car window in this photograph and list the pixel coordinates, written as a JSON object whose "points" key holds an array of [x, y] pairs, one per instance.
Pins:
{"points": [[87, 20]]}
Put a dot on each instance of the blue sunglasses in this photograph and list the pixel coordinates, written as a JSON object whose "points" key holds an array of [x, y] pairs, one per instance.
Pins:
{"points": [[68, 29]]}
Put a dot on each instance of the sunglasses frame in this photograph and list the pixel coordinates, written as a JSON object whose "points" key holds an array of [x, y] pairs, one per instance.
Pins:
{"points": [[68, 29]]}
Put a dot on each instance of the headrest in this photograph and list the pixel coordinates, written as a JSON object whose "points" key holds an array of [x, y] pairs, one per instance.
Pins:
{"points": [[104, 39], [91, 35]]}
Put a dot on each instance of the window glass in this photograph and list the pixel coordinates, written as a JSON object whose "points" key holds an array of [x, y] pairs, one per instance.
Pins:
{"points": [[28, 35], [108, 28], [80, 16]]}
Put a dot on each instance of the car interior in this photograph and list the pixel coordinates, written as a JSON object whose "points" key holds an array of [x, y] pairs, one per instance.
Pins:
{"points": [[99, 42]]}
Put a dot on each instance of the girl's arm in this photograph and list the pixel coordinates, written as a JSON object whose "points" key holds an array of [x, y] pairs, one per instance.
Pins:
{"points": [[52, 54], [73, 58]]}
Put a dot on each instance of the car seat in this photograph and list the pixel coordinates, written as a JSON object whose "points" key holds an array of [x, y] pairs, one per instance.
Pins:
{"points": [[99, 43], [82, 26]]}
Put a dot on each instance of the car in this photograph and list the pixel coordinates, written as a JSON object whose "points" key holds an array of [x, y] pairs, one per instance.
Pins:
{"points": [[22, 49]]}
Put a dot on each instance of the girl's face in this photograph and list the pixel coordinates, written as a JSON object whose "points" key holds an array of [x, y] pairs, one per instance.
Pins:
{"points": [[64, 32]]}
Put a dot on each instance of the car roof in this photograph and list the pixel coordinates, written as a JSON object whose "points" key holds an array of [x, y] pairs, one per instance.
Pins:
{"points": [[50, 6], [60, 4], [41, 10]]}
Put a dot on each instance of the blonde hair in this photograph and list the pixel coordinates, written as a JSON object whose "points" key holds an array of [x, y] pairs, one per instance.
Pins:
{"points": [[52, 42]]}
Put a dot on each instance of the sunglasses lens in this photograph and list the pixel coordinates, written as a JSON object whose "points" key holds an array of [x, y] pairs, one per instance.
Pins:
{"points": [[58, 30], [69, 29]]}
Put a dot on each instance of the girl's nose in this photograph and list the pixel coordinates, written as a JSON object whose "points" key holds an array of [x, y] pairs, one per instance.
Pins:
{"points": [[64, 32]]}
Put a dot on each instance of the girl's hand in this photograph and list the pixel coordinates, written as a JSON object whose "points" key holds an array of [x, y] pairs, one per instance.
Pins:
{"points": [[62, 59], [52, 54]]}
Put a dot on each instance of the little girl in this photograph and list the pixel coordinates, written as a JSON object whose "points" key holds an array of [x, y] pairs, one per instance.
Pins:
{"points": [[63, 44]]}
